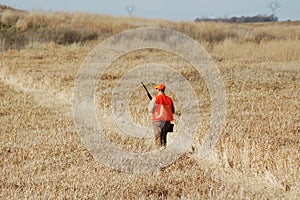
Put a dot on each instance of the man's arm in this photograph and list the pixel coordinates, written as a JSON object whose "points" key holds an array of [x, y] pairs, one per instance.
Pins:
{"points": [[152, 105]]}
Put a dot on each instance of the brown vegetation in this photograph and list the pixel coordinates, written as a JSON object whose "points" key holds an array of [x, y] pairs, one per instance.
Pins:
{"points": [[20, 28], [42, 156]]}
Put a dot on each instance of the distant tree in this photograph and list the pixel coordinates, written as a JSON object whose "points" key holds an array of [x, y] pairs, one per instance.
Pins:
{"points": [[130, 9], [273, 5]]}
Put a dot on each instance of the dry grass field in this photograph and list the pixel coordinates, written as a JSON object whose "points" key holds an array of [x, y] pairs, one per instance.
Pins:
{"points": [[42, 156]]}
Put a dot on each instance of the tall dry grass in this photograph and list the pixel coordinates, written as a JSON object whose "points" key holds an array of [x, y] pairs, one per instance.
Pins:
{"points": [[66, 28], [257, 156]]}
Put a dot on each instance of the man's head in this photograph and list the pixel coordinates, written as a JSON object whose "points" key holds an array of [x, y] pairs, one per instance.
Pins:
{"points": [[160, 87]]}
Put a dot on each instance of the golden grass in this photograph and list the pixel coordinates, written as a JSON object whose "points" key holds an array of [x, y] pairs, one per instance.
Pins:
{"points": [[257, 156], [66, 28]]}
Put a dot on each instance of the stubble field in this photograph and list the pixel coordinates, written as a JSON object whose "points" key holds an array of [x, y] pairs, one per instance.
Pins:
{"points": [[256, 157]]}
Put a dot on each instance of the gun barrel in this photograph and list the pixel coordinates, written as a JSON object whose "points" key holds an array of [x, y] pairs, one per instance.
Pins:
{"points": [[148, 93]]}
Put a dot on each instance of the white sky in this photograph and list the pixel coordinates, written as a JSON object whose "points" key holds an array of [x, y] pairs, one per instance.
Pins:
{"points": [[165, 9]]}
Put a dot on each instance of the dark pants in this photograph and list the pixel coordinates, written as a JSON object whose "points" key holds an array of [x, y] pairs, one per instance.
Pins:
{"points": [[160, 132]]}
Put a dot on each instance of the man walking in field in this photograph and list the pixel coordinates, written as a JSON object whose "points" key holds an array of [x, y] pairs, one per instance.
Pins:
{"points": [[162, 110]]}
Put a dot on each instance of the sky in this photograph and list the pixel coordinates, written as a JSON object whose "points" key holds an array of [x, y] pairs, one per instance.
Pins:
{"points": [[175, 10]]}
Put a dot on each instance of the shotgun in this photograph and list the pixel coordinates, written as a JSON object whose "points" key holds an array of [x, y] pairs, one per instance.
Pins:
{"points": [[148, 93]]}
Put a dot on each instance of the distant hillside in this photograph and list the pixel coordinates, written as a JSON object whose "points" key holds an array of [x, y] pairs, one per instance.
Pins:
{"points": [[5, 8], [20, 28]]}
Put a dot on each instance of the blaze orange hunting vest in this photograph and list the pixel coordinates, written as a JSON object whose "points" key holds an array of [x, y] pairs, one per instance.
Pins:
{"points": [[163, 109]]}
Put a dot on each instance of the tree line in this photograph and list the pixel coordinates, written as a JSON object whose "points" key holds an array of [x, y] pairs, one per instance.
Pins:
{"points": [[242, 19]]}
